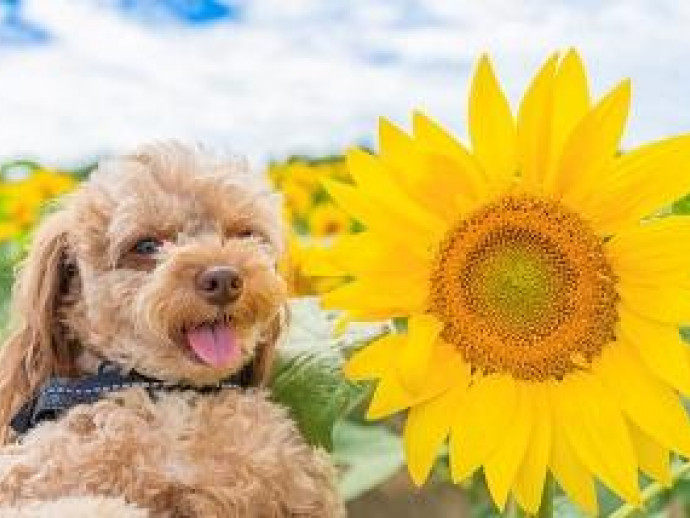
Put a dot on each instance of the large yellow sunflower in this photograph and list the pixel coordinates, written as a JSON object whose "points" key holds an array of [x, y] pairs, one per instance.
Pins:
{"points": [[542, 294]]}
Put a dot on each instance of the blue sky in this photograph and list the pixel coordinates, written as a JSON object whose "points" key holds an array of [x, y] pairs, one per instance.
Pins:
{"points": [[266, 78]]}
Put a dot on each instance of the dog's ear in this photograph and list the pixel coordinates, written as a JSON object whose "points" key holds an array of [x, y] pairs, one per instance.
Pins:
{"points": [[37, 347], [265, 352]]}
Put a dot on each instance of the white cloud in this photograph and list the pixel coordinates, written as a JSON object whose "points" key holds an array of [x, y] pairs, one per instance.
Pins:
{"points": [[313, 75]]}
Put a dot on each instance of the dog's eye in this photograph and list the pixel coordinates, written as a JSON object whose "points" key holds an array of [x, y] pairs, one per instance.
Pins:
{"points": [[247, 232], [147, 246]]}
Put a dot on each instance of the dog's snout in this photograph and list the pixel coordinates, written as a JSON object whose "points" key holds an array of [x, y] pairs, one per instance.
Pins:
{"points": [[219, 285]]}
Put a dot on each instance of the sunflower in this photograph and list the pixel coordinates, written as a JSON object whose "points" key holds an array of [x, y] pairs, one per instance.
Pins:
{"points": [[297, 197], [21, 201], [540, 288], [8, 230], [51, 183], [327, 220], [292, 265]]}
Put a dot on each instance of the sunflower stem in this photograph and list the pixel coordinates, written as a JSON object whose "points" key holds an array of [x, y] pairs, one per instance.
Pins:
{"points": [[513, 510], [546, 506], [652, 491]]}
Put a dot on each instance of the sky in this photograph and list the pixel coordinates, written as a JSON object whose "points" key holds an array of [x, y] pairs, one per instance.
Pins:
{"points": [[270, 78]]}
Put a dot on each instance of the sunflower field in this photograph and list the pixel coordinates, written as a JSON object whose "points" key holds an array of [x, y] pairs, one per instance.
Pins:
{"points": [[468, 341]]}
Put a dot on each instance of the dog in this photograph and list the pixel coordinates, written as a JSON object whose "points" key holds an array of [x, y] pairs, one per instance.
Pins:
{"points": [[158, 272]]}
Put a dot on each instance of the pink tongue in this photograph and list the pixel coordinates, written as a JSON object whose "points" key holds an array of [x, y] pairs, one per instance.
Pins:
{"points": [[215, 345]]}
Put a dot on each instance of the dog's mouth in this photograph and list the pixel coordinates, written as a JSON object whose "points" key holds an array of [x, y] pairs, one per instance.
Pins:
{"points": [[214, 343]]}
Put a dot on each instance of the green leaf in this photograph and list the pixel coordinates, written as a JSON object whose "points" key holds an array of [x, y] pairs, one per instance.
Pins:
{"points": [[609, 501], [8, 259], [564, 508], [681, 206], [311, 386], [368, 456], [308, 379], [685, 333]]}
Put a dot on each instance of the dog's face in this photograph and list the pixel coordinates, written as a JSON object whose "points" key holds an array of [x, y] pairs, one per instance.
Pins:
{"points": [[169, 266]]}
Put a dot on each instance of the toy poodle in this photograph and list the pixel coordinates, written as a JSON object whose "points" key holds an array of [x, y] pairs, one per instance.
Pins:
{"points": [[147, 313]]}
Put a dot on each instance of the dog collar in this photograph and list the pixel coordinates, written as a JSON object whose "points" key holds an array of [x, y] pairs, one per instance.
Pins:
{"points": [[58, 395]]}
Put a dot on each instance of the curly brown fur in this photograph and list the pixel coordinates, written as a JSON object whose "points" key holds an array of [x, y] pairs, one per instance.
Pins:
{"points": [[77, 507], [90, 291]]}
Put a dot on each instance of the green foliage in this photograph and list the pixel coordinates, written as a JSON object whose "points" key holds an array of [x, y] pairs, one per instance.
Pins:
{"points": [[308, 378], [681, 206], [311, 387], [8, 256], [657, 499], [367, 454], [564, 508]]}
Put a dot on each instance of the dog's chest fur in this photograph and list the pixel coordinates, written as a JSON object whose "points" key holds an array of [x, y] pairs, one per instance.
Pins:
{"points": [[213, 455]]}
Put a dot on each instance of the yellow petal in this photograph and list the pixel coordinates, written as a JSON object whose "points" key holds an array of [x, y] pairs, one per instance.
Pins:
{"points": [[446, 370], [654, 459], [324, 262], [650, 404], [358, 206], [481, 423], [399, 151], [660, 347], [502, 465], [641, 182], [353, 315], [445, 189], [365, 253], [471, 179], [570, 104], [454, 179], [664, 304], [412, 361], [381, 218], [379, 183], [598, 433], [389, 398], [652, 253], [530, 478], [373, 360], [571, 474], [491, 127], [434, 181], [426, 429], [534, 125], [395, 297], [592, 145]]}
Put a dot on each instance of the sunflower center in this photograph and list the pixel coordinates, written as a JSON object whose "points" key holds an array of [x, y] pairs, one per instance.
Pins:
{"points": [[523, 286], [514, 281]]}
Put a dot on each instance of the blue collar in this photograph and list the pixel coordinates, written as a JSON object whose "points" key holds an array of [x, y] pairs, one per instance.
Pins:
{"points": [[58, 395]]}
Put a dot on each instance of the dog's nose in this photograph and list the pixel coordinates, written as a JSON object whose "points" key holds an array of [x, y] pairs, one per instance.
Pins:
{"points": [[219, 285]]}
